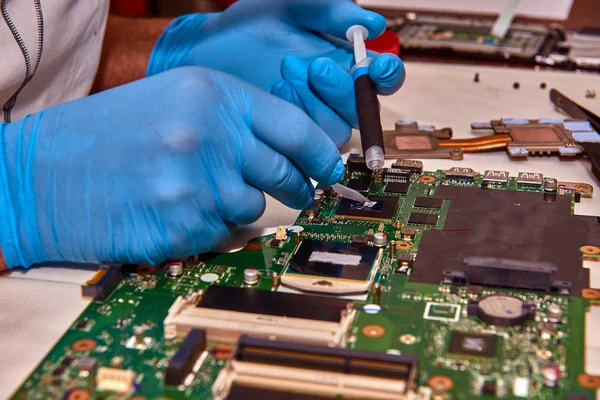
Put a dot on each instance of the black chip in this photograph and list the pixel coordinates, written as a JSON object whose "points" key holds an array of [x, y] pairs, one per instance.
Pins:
{"points": [[406, 258], [489, 388], [359, 184], [275, 243], [86, 364], [397, 187], [429, 202], [473, 344], [408, 233], [83, 324], [66, 361], [397, 174], [277, 304], [384, 209], [58, 371], [405, 261], [359, 239], [416, 218], [316, 221]]}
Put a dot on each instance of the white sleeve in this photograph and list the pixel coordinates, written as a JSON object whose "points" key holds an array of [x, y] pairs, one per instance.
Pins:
{"points": [[72, 36]]}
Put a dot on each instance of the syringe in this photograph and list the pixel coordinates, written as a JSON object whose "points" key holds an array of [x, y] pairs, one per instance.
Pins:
{"points": [[367, 105]]}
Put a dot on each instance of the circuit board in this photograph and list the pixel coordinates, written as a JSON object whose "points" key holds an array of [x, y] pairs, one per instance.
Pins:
{"points": [[460, 36], [454, 285]]}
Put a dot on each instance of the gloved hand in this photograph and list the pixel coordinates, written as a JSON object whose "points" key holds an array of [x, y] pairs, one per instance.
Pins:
{"points": [[162, 167], [295, 48]]}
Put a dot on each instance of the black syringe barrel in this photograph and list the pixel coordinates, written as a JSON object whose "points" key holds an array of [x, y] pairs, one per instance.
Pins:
{"points": [[367, 106]]}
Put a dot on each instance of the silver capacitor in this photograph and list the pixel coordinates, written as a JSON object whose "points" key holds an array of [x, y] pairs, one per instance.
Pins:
{"points": [[555, 313], [250, 276], [175, 268], [550, 374], [380, 239]]}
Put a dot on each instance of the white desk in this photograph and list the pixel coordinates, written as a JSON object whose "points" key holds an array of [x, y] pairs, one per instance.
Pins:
{"points": [[40, 304]]}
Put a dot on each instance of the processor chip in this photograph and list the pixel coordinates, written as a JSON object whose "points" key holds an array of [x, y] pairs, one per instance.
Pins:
{"points": [[473, 344], [383, 209], [335, 260]]}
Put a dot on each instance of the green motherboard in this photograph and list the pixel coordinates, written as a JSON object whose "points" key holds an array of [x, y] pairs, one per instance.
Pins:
{"points": [[453, 284]]}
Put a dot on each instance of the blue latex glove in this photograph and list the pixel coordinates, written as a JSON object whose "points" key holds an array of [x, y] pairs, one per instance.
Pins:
{"points": [[297, 49], [162, 167]]}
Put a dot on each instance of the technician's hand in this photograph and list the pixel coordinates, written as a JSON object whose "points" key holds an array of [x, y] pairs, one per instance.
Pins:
{"points": [[295, 48], [162, 167]]}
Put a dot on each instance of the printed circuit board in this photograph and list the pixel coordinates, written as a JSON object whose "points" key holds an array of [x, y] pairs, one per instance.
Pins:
{"points": [[455, 284]]}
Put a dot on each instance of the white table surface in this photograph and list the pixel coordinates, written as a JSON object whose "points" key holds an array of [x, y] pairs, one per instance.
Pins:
{"points": [[38, 305]]}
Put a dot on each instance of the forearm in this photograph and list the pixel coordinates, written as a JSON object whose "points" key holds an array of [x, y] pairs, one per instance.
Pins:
{"points": [[2, 262], [128, 43]]}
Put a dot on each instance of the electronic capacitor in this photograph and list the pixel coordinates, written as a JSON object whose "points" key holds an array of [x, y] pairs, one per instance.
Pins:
{"points": [[380, 239], [555, 313], [250, 276], [175, 268]]}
